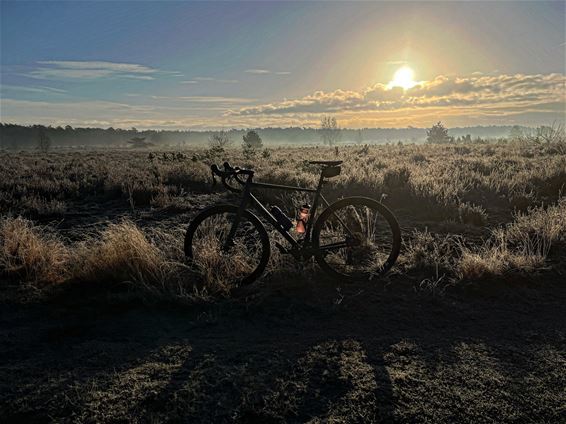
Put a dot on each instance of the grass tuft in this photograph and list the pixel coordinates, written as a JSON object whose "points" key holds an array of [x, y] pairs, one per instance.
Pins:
{"points": [[32, 252], [523, 245]]}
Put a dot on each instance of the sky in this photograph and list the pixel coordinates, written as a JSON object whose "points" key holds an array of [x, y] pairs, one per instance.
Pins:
{"points": [[212, 65]]}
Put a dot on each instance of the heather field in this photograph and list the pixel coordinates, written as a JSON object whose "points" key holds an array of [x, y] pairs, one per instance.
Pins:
{"points": [[104, 320]]}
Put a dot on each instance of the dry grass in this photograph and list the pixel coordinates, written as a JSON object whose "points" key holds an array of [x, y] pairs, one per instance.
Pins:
{"points": [[32, 252], [523, 245], [444, 178], [472, 186], [121, 253], [496, 259]]}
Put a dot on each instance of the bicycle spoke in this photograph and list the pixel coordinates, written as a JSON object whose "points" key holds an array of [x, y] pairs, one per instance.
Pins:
{"points": [[239, 260], [360, 241]]}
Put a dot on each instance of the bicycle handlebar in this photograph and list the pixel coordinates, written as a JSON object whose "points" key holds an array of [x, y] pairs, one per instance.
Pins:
{"points": [[229, 173]]}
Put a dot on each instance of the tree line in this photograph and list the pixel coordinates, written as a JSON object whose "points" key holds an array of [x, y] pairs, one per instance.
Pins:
{"points": [[14, 136]]}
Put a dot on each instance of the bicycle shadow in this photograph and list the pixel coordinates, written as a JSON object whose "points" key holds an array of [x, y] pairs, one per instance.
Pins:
{"points": [[301, 351]]}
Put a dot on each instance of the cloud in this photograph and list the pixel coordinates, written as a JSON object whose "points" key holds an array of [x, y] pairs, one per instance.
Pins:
{"points": [[442, 91], [456, 100], [210, 79], [257, 71], [89, 70], [265, 71], [34, 89], [101, 113], [111, 66], [205, 99]]}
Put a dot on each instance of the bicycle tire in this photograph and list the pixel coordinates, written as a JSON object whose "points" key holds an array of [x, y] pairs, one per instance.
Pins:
{"points": [[247, 215], [380, 209]]}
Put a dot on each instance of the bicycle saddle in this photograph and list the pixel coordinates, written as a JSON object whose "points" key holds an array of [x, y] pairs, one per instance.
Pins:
{"points": [[326, 162]]}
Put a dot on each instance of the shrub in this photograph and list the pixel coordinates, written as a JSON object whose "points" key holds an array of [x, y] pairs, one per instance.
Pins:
{"points": [[462, 150], [438, 134], [432, 252], [472, 214], [396, 178], [419, 158]]}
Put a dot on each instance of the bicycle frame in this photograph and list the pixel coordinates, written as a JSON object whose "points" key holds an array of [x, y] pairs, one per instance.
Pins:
{"points": [[248, 197]]}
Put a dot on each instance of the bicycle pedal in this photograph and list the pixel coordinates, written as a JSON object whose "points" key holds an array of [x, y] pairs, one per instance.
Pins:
{"points": [[281, 248]]}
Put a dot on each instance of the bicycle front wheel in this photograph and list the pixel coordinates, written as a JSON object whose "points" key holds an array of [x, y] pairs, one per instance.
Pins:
{"points": [[235, 264], [356, 238]]}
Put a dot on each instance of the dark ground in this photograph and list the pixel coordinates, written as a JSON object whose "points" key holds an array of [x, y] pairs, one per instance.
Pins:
{"points": [[288, 354], [297, 349]]}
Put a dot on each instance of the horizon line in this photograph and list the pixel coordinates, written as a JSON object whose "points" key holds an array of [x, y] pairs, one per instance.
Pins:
{"points": [[410, 127]]}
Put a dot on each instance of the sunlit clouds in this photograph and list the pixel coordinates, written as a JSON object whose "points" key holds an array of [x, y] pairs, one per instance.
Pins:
{"points": [[463, 100], [503, 94]]}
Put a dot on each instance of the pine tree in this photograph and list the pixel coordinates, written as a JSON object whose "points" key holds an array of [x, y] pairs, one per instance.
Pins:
{"points": [[438, 134]]}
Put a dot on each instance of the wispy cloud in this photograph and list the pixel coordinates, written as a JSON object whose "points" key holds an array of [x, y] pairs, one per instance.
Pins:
{"points": [[101, 113], [111, 66], [205, 99], [34, 89], [265, 72], [196, 80], [257, 71], [89, 70]]}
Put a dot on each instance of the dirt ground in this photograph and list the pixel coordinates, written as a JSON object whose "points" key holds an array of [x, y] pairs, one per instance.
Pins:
{"points": [[299, 352], [296, 348]]}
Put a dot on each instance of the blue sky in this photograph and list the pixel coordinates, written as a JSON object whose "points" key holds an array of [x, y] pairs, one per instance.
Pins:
{"points": [[219, 65]]}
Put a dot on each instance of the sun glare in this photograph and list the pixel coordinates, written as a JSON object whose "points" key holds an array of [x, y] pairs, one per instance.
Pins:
{"points": [[404, 78]]}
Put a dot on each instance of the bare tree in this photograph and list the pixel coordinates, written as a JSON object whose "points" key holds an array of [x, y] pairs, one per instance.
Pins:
{"points": [[329, 130], [219, 140], [554, 133], [359, 137], [43, 141]]}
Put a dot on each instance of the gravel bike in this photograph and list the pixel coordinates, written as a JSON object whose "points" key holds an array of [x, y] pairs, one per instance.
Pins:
{"points": [[354, 238]]}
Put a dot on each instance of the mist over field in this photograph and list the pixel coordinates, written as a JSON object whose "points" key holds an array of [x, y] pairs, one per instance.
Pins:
{"points": [[25, 137]]}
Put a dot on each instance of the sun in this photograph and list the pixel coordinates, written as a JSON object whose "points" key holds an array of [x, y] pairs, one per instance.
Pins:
{"points": [[404, 78]]}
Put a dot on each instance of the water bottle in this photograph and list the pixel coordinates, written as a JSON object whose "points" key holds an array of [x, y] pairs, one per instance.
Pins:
{"points": [[281, 218], [302, 218]]}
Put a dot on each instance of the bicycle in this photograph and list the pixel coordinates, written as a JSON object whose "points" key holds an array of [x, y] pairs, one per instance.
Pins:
{"points": [[354, 238]]}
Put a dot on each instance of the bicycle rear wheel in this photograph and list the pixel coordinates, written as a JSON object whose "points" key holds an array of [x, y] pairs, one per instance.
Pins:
{"points": [[239, 264], [356, 238]]}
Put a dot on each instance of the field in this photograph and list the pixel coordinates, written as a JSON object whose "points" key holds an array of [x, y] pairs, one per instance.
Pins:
{"points": [[102, 319]]}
